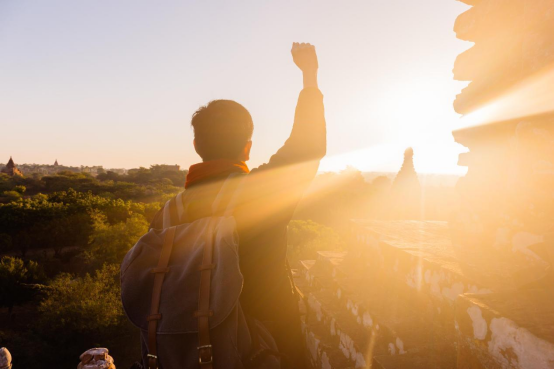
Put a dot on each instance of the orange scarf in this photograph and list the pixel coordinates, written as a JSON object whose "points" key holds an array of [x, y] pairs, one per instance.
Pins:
{"points": [[214, 169]]}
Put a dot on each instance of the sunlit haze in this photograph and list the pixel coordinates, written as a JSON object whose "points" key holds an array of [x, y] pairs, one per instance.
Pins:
{"points": [[350, 238], [533, 96], [115, 84]]}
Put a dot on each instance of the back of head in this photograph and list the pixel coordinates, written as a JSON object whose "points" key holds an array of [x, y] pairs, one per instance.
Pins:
{"points": [[221, 130]]}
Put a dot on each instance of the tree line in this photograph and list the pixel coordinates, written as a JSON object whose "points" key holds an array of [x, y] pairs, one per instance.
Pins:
{"points": [[142, 184]]}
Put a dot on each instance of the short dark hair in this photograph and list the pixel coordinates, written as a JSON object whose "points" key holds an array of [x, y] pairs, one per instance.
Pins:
{"points": [[221, 129]]}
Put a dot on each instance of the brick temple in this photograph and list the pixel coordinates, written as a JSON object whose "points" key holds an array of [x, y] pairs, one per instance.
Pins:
{"points": [[11, 169]]}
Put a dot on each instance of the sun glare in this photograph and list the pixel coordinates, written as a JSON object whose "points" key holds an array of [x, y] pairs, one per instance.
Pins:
{"points": [[533, 96], [432, 155]]}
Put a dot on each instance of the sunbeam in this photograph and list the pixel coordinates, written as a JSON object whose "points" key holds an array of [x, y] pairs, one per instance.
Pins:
{"points": [[532, 96]]}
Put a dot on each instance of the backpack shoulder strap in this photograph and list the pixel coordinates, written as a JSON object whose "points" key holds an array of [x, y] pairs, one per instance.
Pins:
{"points": [[236, 195], [203, 314], [159, 275], [231, 186], [205, 355], [166, 219], [180, 206], [173, 211]]}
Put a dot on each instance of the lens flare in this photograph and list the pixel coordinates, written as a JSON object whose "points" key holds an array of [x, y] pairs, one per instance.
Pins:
{"points": [[532, 96]]}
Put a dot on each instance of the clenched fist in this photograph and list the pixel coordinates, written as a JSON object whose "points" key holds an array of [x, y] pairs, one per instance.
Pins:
{"points": [[304, 56]]}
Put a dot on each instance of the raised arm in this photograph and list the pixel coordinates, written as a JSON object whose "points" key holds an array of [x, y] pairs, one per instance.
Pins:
{"points": [[307, 141], [272, 192]]}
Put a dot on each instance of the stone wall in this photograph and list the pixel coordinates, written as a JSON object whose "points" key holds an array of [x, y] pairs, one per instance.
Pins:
{"points": [[510, 181], [404, 296], [514, 39]]}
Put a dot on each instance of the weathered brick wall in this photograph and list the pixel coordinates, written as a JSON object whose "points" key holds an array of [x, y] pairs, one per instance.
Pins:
{"points": [[513, 39], [510, 161]]}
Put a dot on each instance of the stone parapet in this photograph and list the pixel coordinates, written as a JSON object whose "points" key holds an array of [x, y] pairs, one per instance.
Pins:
{"points": [[394, 299], [505, 330], [513, 39]]}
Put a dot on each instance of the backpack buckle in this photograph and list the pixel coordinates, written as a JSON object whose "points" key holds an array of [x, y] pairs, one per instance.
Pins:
{"points": [[152, 361], [200, 356]]}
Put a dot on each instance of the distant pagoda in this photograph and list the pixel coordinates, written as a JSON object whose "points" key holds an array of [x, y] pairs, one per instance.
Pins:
{"points": [[11, 169], [56, 163], [406, 190], [407, 174]]}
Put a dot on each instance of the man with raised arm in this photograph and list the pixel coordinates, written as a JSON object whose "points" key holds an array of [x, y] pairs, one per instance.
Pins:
{"points": [[268, 197]]}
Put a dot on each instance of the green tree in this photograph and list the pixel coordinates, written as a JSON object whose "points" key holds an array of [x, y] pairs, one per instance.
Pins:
{"points": [[77, 306], [20, 188], [66, 231], [108, 176], [17, 280], [11, 195], [110, 243], [306, 238], [6, 182], [5, 243], [82, 312], [25, 221], [63, 219]]}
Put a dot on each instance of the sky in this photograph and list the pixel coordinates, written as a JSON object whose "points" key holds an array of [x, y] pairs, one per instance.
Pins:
{"points": [[114, 83]]}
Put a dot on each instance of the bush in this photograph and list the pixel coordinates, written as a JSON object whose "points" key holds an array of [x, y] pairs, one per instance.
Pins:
{"points": [[110, 243], [11, 195], [28, 350], [20, 189], [306, 238], [82, 306], [5, 243], [16, 281], [80, 313]]}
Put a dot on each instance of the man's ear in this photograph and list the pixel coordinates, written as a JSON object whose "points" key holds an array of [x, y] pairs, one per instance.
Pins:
{"points": [[245, 155]]}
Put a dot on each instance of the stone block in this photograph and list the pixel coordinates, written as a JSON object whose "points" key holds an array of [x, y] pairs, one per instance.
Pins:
{"points": [[506, 330], [514, 39], [96, 358], [490, 19], [488, 61], [539, 13], [5, 358], [425, 359], [479, 93], [471, 2], [538, 50], [321, 353]]}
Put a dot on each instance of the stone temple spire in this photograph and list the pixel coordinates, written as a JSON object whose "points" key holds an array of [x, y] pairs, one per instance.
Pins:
{"points": [[10, 164], [11, 169], [56, 163], [407, 173], [406, 190]]}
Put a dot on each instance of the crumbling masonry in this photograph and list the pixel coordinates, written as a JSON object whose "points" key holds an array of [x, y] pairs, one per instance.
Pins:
{"points": [[475, 292]]}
